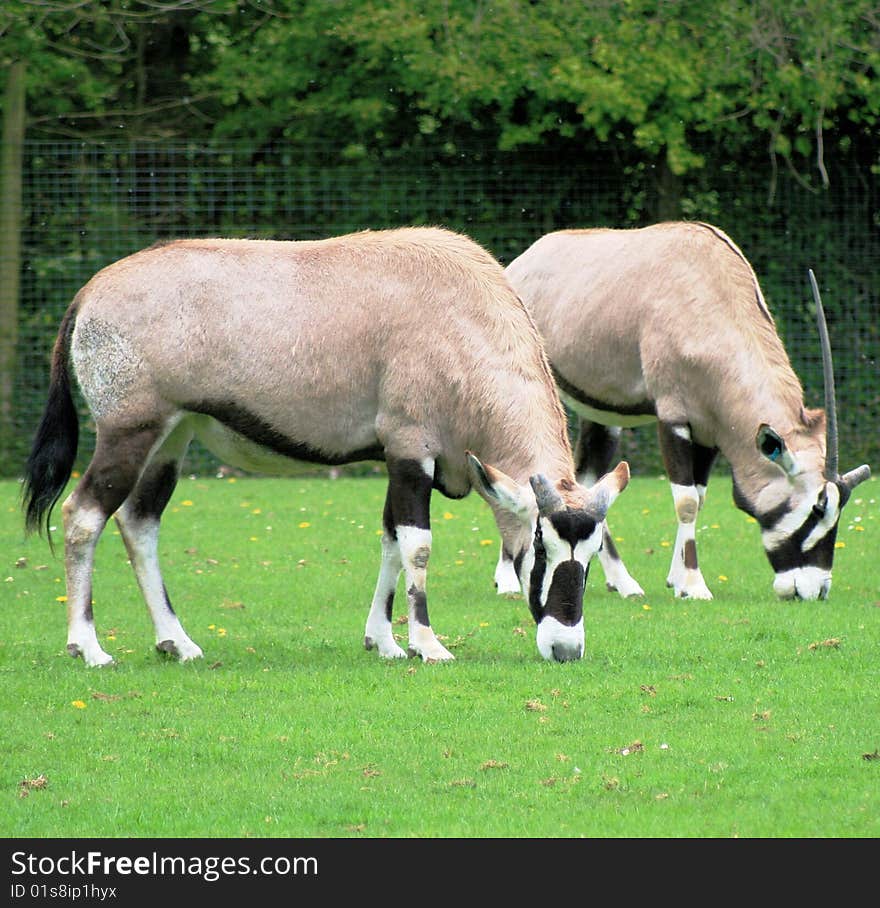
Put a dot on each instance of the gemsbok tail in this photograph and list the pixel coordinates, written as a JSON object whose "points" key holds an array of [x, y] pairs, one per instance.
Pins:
{"points": [[53, 452]]}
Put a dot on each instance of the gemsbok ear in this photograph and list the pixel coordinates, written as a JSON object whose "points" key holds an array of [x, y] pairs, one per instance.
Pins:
{"points": [[772, 447], [601, 496], [499, 490]]}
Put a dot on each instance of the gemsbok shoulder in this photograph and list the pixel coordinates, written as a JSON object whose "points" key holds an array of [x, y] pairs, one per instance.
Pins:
{"points": [[406, 346], [668, 323]]}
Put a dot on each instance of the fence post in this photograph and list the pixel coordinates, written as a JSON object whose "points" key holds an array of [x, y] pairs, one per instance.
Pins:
{"points": [[10, 250]]}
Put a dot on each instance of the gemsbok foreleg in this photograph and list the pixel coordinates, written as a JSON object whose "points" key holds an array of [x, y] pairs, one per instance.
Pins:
{"points": [[594, 450], [138, 521], [687, 465], [406, 547], [113, 472]]}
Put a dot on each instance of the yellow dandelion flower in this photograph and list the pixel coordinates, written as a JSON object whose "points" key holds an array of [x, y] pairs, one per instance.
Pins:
{"points": [[231, 479], [211, 627], [75, 474], [618, 538], [722, 577], [78, 704], [304, 524], [487, 542], [859, 529], [459, 561], [646, 607], [186, 503], [253, 539], [666, 544], [484, 624], [61, 598], [840, 545], [221, 631], [646, 510], [448, 515], [257, 511]]}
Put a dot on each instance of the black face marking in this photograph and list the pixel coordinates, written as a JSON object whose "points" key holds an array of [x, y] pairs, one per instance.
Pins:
{"points": [[419, 602], [573, 526], [565, 598], [536, 581], [788, 554], [645, 408], [249, 425]]}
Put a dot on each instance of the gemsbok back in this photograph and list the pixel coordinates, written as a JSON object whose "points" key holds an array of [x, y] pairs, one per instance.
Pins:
{"points": [[668, 323], [406, 345]]}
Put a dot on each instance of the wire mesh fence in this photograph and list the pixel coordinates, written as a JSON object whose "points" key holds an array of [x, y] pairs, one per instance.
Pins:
{"points": [[86, 205]]}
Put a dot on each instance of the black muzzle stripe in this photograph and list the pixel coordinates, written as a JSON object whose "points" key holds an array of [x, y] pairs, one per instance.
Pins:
{"points": [[565, 599]]}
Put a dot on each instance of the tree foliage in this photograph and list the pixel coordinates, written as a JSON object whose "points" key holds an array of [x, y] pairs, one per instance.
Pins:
{"points": [[678, 82]]}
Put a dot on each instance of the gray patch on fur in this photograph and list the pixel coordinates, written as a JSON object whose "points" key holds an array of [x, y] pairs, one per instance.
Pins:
{"points": [[105, 364]]}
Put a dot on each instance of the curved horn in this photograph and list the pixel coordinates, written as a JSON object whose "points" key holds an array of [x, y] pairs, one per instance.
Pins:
{"points": [[856, 476], [830, 403], [548, 499]]}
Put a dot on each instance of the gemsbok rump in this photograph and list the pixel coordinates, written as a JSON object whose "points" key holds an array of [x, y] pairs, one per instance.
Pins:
{"points": [[406, 345], [668, 323]]}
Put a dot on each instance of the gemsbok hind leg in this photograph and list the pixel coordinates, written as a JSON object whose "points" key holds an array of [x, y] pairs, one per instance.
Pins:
{"points": [[111, 475], [406, 547], [594, 450], [138, 521], [687, 465]]}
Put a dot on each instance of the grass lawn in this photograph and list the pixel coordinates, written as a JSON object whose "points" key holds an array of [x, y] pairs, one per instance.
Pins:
{"points": [[740, 717]]}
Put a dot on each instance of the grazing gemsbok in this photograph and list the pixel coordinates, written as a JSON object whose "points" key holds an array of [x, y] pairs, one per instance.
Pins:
{"points": [[668, 323], [407, 346]]}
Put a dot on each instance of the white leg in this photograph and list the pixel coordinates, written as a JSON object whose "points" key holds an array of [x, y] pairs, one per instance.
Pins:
{"points": [[506, 580], [378, 633], [617, 577], [141, 538], [82, 528], [685, 576], [415, 549]]}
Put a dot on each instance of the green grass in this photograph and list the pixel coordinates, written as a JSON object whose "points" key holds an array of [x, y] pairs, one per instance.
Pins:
{"points": [[744, 716]]}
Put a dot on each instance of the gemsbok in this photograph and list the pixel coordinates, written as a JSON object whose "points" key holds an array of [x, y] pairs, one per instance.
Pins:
{"points": [[405, 345], [668, 323]]}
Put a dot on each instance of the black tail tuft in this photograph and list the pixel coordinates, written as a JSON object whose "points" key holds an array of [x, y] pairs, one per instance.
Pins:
{"points": [[53, 452]]}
